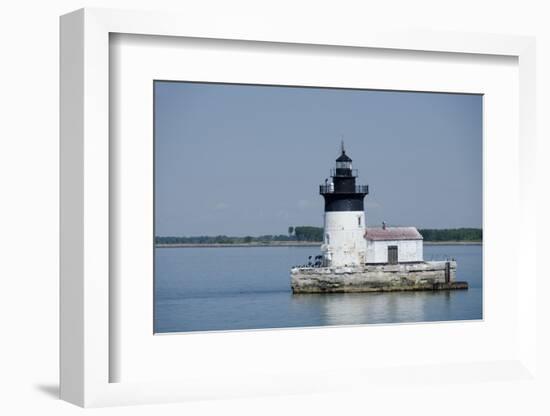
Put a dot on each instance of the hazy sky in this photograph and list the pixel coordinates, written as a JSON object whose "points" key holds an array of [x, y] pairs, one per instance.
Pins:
{"points": [[247, 160]]}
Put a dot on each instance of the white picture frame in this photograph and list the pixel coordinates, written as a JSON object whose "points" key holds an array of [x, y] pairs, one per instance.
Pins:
{"points": [[87, 302]]}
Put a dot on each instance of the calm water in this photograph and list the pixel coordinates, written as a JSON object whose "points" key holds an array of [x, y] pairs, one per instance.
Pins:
{"points": [[204, 289]]}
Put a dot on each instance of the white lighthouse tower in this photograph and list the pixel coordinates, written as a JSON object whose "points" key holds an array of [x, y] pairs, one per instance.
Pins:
{"points": [[344, 240]]}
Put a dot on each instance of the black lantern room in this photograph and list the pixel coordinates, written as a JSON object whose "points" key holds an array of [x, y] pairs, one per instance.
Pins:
{"points": [[341, 193]]}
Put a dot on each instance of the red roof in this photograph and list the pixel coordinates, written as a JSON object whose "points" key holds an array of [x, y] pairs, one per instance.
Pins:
{"points": [[392, 233]]}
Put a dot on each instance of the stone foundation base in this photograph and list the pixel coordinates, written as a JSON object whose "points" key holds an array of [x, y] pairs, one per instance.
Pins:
{"points": [[433, 275]]}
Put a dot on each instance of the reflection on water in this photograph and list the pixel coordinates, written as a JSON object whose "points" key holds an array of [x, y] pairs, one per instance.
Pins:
{"points": [[203, 289], [361, 308]]}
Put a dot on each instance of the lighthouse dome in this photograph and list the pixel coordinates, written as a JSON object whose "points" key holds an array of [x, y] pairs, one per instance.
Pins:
{"points": [[343, 157]]}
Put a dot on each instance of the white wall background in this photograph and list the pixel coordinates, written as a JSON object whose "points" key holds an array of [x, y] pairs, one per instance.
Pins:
{"points": [[29, 205]]}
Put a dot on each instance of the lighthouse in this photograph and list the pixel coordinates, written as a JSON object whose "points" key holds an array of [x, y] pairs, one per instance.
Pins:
{"points": [[357, 258], [344, 218]]}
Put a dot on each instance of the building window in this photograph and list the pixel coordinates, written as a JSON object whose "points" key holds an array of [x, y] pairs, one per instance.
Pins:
{"points": [[327, 238], [359, 221]]}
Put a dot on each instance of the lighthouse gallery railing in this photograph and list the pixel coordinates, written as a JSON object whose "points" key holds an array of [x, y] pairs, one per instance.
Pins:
{"points": [[329, 189]]}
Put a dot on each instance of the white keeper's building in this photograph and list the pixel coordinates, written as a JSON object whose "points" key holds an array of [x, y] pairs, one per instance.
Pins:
{"points": [[394, 245]]}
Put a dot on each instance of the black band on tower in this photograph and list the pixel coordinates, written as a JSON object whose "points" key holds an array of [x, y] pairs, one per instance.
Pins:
{"points": [[349, 203]]}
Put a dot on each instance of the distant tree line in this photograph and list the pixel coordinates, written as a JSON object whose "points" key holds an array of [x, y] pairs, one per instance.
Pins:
{"points": [[315, 234], [222, 239], [452, 234], [307, 233]]}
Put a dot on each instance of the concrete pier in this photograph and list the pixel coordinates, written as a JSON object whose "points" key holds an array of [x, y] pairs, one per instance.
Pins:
{"points": [[429, 275]]}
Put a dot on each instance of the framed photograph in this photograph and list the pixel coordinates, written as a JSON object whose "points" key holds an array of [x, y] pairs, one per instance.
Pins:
{"points": [[275, 212], [230, 258]]}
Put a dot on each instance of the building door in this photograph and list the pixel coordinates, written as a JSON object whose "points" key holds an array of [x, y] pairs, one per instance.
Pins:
{"points": [[392, 255]]}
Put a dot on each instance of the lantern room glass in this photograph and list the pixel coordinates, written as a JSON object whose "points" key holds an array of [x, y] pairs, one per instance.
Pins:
{"points": [[343, 165]]}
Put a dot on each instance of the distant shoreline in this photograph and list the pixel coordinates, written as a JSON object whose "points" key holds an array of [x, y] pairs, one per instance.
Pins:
{"points": [[254, 244], [294, 244], [453, 243]]}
